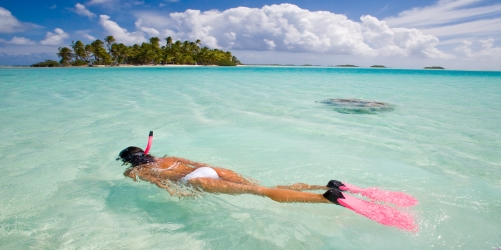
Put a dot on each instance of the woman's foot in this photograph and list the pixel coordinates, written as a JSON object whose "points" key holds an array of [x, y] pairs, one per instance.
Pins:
{"points": [[333, 195], [335, 184]]}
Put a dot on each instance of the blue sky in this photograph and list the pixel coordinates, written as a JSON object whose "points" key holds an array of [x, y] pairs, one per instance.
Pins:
{"points": [[457, 34]]}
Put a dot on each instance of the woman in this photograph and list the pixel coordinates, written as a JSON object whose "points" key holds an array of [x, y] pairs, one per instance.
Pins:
{"points": [[162, 171], [213, 179]]}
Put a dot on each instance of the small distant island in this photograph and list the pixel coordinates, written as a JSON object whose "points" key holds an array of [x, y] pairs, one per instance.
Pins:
{"points": [[47, 63], [434, 67], [347, 66], [378, 66], [109, 53]]}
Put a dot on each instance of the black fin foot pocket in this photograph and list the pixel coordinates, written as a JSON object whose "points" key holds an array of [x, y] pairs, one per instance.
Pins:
{"points": [[334, 184], [333, 195]]}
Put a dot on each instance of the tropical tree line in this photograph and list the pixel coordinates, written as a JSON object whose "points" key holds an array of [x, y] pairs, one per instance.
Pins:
{"points": [[108, 52]]}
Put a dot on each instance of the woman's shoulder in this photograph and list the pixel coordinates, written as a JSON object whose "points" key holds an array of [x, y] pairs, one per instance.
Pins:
{"points": [[165, 161]]}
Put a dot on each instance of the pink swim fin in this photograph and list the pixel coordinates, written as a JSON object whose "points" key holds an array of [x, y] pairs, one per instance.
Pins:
{"points": [[397, 198], [383, 214]]}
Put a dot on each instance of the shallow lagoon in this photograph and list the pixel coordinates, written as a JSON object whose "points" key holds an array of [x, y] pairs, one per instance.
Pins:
{"points": [[61, 130]]}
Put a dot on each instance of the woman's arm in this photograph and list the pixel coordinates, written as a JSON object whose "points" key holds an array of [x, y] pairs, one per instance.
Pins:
{"points": [[128, 173]]}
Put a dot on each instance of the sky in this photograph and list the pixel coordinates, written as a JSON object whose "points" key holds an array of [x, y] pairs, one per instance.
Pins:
{"points": [[455, 34]]}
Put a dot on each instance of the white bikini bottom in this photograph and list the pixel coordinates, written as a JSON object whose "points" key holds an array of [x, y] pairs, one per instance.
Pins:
{"points": [[203, 172]]}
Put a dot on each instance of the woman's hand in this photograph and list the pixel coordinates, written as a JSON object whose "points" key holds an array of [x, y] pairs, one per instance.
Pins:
{"points": [[128, 173]]}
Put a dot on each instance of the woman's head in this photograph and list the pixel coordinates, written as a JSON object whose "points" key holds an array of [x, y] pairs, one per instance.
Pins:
{"points": [[134, 156]]}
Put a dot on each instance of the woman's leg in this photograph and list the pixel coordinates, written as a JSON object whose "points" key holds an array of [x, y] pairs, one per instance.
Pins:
{"points": [[224, 174], [231, 176], [276, 194], [303, 186]]}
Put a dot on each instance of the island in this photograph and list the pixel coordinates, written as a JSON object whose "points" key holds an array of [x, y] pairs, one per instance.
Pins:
{"points": [[434, 67], [347, 66], [108, 53], [47, 63], [378, 66]]}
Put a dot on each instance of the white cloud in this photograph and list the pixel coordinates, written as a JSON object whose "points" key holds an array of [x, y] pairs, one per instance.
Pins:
{"points": [[10, 24], [85, 34], [388, 41], [20, 41], [443, 12], [100, 1], [137, 2], [89, 37], [56, 38], [120, 34], [483, 50], [452, 18], [487, 27], [286, 27], [82, 11], [153, 19], [151, 31], [270, 43]]}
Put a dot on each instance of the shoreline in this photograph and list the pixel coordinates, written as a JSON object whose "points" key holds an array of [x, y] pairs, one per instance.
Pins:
{"points": [[244, 65]]}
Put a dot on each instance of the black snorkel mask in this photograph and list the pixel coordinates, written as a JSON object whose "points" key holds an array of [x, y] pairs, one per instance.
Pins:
{"points": [[136, 156]]}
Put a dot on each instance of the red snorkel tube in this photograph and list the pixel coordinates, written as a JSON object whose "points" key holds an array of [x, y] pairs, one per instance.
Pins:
{"points": [[150, 140]]}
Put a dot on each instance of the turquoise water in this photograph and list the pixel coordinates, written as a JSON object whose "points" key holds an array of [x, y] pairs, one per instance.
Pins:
{"points": [[61, 130]]}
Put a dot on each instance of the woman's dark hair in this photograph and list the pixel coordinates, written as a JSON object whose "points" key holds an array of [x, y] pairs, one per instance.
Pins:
{"points": [[135, 156]]}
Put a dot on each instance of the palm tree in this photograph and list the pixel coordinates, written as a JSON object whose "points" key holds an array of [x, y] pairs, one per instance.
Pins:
{"points": [[169, 41], [66, 54], [100, 54], [114, 51], [235, 60], [202, 56], [109, 41], [122, 53], [176, 53], [79, 49], [155, 42]]}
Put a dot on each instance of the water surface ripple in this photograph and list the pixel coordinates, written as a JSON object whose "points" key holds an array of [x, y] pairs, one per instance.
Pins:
{"points": [[62, 128]]}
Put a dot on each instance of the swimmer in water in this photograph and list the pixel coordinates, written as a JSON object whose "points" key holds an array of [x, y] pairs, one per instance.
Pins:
{"points": [[214, 179], [203, 177]]}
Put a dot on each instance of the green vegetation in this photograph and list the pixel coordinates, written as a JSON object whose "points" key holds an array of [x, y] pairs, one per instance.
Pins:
{"points": [[47, 63], [347, 65], [111, 53], [378, 66], [434, 67], [265, 64]]}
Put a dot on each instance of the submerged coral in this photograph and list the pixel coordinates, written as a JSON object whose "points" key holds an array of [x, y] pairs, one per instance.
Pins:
{"points": [[357, 106]]}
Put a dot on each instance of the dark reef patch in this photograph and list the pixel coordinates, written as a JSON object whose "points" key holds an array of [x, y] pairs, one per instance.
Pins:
{"points": [[357, 106]]}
